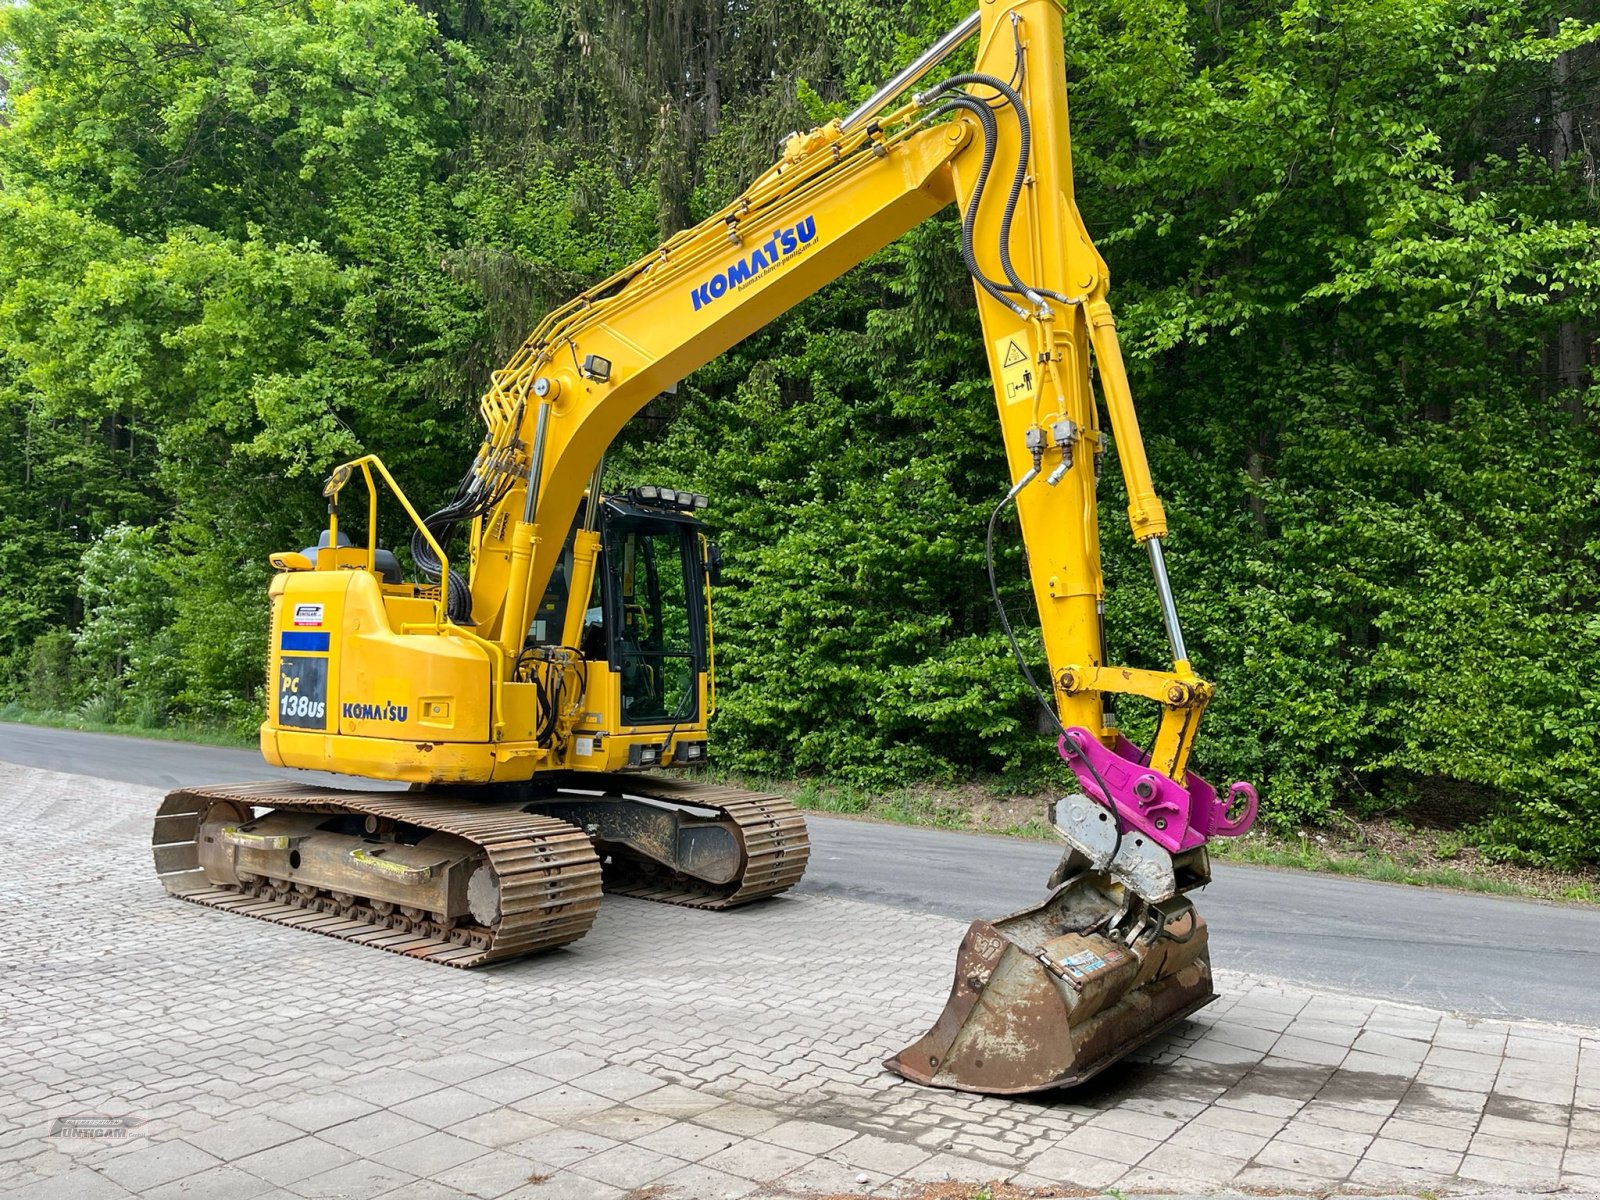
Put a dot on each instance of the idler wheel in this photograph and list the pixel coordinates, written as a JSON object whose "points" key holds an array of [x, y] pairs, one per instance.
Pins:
{"points": [[483, 896]]}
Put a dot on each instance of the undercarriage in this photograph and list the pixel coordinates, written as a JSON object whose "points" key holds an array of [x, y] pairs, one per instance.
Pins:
{"points": [[466, 881]]}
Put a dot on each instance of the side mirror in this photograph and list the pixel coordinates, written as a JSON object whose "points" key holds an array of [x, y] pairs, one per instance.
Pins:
{"points": [[714, 563], [335, 482]]}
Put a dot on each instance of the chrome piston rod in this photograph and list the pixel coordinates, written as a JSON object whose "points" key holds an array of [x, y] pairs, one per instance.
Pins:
{"points": [[1169, 606], [926, 61]]}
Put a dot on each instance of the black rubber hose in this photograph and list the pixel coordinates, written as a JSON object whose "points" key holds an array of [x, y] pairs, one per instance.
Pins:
{"points": [[1009, 95], [1005, 621], [470, 500], [969, 218], [557, 687], [1027, 672], [1018, 178]]}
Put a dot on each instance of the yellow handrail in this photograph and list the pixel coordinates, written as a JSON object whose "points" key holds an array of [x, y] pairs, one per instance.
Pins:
{"points": [[336, 482]]}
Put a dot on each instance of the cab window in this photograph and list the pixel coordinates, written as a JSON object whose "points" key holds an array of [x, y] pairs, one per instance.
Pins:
{"points": [[655, 609]]}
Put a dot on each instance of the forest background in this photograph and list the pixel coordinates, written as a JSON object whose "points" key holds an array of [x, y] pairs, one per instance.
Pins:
{"points": [[1355, 250]]}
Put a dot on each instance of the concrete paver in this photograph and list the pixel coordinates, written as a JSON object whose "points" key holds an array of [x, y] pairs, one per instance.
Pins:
{"points": [[700, 1055], [489, 1175], [220, 1183], [362, 1179]]}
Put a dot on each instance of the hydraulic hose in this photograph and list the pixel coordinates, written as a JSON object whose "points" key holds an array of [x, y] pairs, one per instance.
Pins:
{"points": [[1019, 176], [472, 499], [969, 219], [999, 604], [984, 110]]}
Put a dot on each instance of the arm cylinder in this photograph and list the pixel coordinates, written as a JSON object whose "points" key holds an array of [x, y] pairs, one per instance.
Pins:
{"points": [[1145, 514], [926, 62], [514, 626]]}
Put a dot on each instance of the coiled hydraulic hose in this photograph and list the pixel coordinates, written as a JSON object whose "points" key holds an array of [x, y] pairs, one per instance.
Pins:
{"points": [[1018, 177], [472, 499], [969, 219]]}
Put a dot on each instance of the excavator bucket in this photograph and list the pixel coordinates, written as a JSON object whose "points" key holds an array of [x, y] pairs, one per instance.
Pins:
{"points": [[1115, 954], [1040, 1001]]}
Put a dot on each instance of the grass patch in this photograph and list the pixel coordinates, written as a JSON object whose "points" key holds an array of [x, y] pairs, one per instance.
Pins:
{"points": [[908, 807], [195, 734], [1311, 857]]}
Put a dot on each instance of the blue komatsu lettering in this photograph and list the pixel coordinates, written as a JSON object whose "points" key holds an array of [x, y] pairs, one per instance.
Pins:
{"points": [[780, 245], [387, 711]]}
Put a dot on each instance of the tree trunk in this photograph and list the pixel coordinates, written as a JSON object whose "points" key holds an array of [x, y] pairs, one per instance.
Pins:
{"points": [[1569, 354]]}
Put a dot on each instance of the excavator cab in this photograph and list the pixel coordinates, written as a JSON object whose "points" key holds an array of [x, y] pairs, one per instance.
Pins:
{"points": [[644, 634], [656, 646]]}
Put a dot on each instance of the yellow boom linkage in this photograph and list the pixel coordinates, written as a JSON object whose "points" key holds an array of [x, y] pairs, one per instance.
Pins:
{"points": [[577, 645]]}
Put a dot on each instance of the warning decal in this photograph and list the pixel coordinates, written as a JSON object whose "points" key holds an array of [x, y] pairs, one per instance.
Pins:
{"points": [[1019, 378]]}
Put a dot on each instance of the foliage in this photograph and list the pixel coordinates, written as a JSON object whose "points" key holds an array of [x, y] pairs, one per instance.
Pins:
{"points": [[1356, 258]]}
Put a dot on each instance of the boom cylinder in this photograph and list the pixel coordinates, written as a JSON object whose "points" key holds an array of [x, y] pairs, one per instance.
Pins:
{"points": [[925, 63]]}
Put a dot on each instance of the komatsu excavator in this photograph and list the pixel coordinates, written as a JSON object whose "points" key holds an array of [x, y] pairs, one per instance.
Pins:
{"points": [[532, 702]]}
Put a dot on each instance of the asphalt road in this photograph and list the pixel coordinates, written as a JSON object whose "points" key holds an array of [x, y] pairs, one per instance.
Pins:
{"points": [[1471, 954]]}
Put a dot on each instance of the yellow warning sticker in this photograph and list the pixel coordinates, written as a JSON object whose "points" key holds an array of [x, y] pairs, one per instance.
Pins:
{"points": [[1019, 376]]}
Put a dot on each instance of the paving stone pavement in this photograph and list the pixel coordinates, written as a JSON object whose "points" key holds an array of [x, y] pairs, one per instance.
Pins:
{"points": [[679, 1054]]}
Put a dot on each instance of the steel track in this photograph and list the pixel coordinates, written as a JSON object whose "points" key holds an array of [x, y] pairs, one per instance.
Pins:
{"points": [[550, 876], [771, 832]]}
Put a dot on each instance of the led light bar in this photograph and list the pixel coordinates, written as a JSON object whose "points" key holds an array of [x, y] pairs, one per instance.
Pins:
{"points": [[665, 497]]}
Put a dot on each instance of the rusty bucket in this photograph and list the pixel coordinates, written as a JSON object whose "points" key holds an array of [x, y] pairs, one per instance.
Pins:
{"points": [[1051, 995]]}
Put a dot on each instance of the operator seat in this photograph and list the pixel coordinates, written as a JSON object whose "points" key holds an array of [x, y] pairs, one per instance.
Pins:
{"points": [[383, 561]]}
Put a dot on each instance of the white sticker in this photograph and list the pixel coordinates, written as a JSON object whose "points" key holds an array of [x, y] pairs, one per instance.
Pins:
{"points": [[585, 746], [308, 614]]}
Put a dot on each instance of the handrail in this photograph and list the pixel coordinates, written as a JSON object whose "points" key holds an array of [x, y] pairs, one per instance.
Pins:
{"points": [[337, 480], [442, 624]]}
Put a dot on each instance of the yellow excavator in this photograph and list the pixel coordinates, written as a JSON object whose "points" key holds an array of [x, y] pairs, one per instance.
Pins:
{"points": [[533, 701]]}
